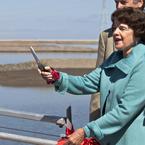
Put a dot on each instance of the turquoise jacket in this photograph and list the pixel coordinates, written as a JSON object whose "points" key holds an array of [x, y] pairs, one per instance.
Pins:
{"points": [[121, 82]]}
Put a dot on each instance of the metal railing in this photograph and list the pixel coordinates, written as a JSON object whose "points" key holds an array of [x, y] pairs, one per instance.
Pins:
{"points": [[26, 139], [58, 120]]}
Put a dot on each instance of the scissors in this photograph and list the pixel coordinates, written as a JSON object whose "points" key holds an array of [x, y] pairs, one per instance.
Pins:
{"points": [[39, 64]]}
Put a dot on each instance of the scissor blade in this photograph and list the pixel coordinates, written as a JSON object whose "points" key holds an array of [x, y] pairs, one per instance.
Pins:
{"points": [[40, 66], [35, 56]]}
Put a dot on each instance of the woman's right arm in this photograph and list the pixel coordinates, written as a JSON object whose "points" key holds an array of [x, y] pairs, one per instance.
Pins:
{"points": [[87, 84]]}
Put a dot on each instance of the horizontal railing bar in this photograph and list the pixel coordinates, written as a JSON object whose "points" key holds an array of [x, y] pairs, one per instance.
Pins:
{"points": [[26, 139], [28, 131], [30, 116]]}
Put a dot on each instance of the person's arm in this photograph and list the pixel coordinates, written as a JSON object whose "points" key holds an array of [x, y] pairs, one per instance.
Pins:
{"points": [[86, 84], [130, 106], [63, 82]]}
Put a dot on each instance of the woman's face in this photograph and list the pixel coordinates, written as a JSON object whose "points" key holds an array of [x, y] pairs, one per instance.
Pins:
{"points": [[123, 37]]}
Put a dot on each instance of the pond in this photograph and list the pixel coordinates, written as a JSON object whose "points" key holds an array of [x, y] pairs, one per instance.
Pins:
{"points": [[12, 58]]}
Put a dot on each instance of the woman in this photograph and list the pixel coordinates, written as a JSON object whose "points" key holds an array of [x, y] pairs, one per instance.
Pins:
{"points": [[121, 82]]}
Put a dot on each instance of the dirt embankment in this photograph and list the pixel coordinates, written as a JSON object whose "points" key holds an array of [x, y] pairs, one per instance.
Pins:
{"points": [[25, 74]]}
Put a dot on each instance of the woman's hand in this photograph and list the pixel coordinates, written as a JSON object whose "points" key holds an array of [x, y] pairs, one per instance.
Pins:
{"points": [[49, 75], [76, 138]]}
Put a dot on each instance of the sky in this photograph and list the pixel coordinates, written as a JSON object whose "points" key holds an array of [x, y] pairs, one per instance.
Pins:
{"points": [[54, 19]]}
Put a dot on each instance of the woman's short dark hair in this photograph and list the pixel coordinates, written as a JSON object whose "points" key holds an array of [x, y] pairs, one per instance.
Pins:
{"points": [[134, 18], [140, 1]]}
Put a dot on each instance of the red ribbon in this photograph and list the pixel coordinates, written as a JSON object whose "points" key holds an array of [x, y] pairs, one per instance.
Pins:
{"points": [[55, 75], [87, 141]]}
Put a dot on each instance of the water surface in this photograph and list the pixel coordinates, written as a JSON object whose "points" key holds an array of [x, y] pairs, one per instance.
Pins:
{"points": [[40, 100], [12, 58]]}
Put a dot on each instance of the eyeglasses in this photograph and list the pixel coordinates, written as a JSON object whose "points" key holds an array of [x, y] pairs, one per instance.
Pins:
{"points": [[121, 27], [126, 1], [121, 1]]}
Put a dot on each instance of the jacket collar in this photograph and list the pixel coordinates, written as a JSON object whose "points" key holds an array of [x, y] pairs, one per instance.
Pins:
{"points": [[126, 64]]}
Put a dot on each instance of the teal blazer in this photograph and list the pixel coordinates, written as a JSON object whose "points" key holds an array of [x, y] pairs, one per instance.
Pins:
{"points": [[121, 82]]}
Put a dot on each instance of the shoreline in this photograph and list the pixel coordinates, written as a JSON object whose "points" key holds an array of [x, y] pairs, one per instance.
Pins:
{"points": [[26, 74], [48, 45]]}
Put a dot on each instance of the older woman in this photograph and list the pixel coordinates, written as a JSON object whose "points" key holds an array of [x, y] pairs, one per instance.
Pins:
{"points": [[121, 82]]}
